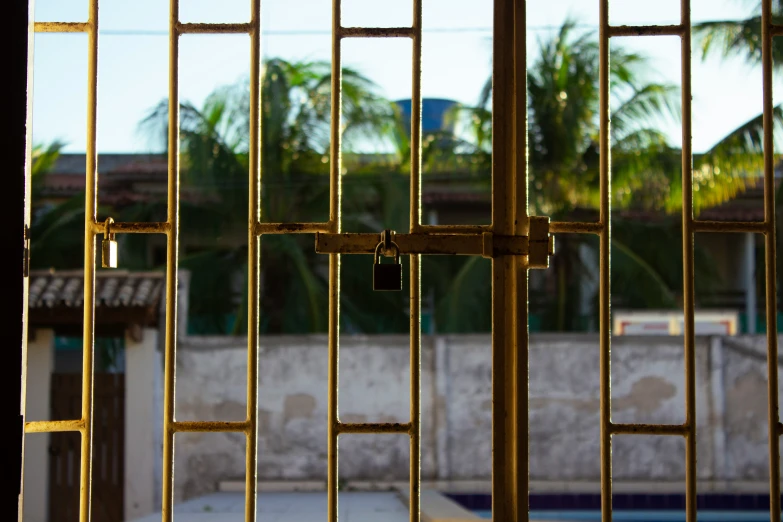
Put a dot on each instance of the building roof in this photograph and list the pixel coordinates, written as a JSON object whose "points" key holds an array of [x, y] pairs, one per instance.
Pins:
{"points": [[122, 299]]}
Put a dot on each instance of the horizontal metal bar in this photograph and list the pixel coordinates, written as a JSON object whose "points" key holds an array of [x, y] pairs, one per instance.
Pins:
{"points": [[374, 427], [133, 228], [649, 429], [377, 32], [646, 30], [53, 426], [202, 28], [209, 426], [62, 27], [567, 227], [452, 229], [291, 228], [432, 244], [776, 29], [730, 226]]}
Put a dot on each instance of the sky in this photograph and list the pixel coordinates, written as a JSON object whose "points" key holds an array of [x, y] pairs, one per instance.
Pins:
{"points": [[456, 57]]}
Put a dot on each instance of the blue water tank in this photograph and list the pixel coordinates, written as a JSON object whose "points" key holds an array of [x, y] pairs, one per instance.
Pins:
{"points": [[433, 112]]}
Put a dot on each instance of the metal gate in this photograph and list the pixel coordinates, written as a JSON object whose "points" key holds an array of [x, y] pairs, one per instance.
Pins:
{"points": [[515, 241], [108, 477]]}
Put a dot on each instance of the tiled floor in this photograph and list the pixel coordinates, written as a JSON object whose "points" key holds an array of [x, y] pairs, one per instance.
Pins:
{"points": [[289, 507]]}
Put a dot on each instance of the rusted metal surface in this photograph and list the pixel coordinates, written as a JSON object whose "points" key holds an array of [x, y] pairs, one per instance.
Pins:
{"points": [[427, 244], [377, 32], [730, 226], [52, 426], [133, 228], [62, 27], [649, 429], [209, 426], [199, 28], [647, 30], [374, 427], [290, 228]]}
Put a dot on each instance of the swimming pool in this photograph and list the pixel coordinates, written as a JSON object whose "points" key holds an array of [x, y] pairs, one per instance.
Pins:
{"points": [[643, 516]]}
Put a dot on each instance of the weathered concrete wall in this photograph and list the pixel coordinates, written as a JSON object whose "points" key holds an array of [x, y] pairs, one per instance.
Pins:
{"points": [[648, 385]]}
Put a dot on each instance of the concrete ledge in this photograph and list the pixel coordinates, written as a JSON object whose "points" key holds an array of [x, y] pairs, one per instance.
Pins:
{"points": [[438, 508]]}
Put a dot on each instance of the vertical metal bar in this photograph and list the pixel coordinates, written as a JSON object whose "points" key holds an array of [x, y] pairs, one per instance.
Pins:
{"points": [[335, 190], [520, 279], [415, 405], [687, 267], [415, 217], [770, 267], [172, 247], [333, 383], [21, 37], [505, 503], [415, 272], [253, 262], [335, 187], [604, 305], [90, 209]]}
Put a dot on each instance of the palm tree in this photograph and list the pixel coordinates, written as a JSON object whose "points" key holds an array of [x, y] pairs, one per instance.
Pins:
{"points": [[295, 160], [56, 230], [742, 39], [563, 135]]}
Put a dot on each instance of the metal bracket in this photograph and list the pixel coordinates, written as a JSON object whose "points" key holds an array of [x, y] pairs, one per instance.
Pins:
{"points": [[538, 246]]}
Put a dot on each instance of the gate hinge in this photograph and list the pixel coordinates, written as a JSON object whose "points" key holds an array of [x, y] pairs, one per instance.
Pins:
{"points": [[26, 260]]}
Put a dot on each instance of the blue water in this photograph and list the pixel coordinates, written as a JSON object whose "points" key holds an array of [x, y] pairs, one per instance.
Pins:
{"points": [[645, 516]]}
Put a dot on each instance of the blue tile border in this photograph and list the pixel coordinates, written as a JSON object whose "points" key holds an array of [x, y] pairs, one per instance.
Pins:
{"points": [[624, 501]]}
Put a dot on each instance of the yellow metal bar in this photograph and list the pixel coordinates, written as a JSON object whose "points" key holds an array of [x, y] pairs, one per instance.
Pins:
{"points": [[605, 253], [562, 227], [519, 304], [172, 247], [414, 502], [132, 228], [505, 502], [54, 426], [90, 210], [291, 228], [688, 290], [335, 192], [335, 152], [647, 30], [253, 263], [373, 427], [201, 28], [729, 226], [451, 229], [377, 32], [333, 381], [649, 429], [455, 244], [770, 265], [62, 27], [210, 426]]}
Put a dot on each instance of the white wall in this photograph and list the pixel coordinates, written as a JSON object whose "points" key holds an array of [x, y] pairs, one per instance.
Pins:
{"points": [[40, 363], [647, 386]]}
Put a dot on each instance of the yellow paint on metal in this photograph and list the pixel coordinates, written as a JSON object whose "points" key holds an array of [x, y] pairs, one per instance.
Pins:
{"points": [[515, 241]]}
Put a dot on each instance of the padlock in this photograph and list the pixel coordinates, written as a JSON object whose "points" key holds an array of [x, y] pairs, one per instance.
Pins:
{"points": [[387, 277], [109, 247]]}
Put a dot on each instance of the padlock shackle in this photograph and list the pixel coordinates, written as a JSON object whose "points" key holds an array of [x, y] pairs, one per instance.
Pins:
{"points": [[378, 252]]}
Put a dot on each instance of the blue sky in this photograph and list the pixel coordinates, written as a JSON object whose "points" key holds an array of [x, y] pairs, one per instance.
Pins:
{"points": [[133, 59]]}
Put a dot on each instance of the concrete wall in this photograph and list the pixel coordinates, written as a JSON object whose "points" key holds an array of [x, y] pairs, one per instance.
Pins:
{"points": [[647, 386]]}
